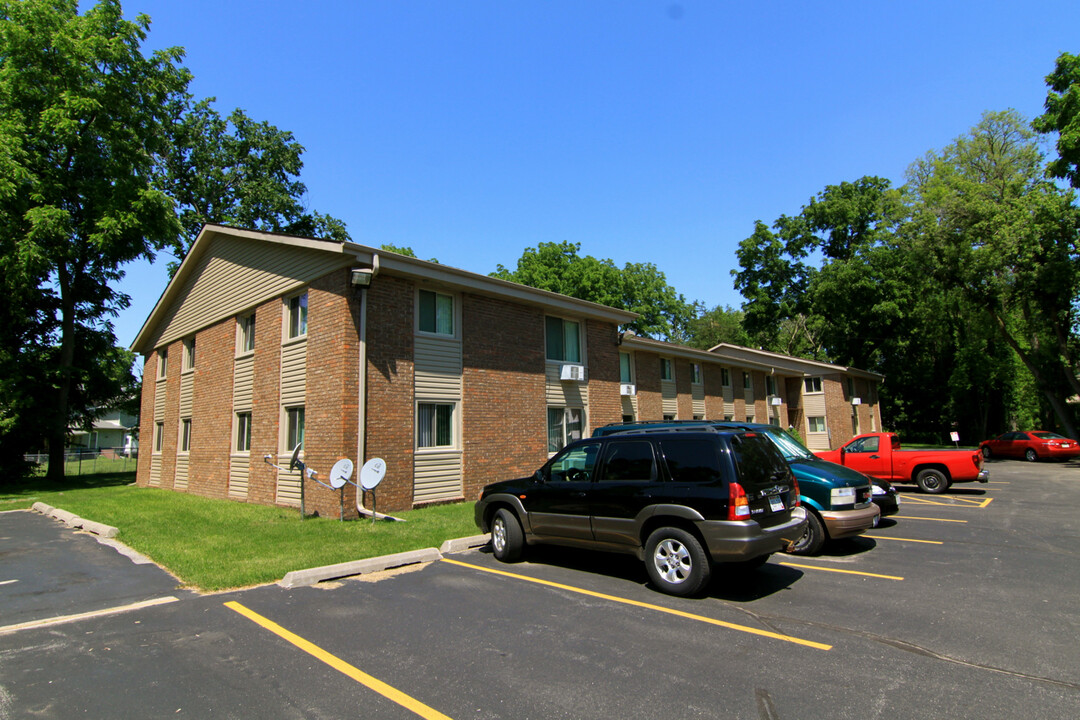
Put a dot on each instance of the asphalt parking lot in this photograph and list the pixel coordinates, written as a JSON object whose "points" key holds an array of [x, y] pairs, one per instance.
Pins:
{"points": [[966, 605]]}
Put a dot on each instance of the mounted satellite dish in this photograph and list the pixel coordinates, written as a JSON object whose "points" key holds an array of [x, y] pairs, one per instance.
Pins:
{"points": [[294, 461], [372, 473], [340, 473]]}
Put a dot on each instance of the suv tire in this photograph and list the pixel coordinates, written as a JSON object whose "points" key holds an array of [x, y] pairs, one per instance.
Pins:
{"points": [[813, 539], [507, 538], [676, 562]]}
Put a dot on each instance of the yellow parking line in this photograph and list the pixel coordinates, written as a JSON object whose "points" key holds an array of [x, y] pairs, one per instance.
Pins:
{"points": [[648, 606], [911, 517], [956, 502], [341, 666], [881, 537], [838, 570]]}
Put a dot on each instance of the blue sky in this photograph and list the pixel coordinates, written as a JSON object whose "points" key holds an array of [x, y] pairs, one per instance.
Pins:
{"points": [[647, 131]]}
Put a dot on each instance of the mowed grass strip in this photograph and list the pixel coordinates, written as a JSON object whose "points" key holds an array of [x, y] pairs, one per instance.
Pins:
{"points": [[213, 545]]}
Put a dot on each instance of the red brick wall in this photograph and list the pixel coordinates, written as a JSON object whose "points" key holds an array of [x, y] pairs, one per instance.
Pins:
{"points": [[332, 390], [605, 403], [684, 402], [837, 409], [504, 405], [714, 392], [389, 378], [647, 372], [211, 410]]}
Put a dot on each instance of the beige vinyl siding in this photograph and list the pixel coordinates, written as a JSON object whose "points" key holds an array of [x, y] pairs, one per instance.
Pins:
{"points": [[288, 486], [565, 393], [697, 396], [437, 476], [293, 393], [669, 398], [159, 401], [629, 405], [293, 373], [239, 473], [187, 393], [437, 368], [155, 470], [729, 397], [180, 482], [236, 274], [814, 406], [243, 382]]}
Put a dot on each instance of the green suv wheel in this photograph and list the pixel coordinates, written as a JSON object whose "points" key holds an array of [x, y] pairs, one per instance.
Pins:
{"points": [[813, 539], [507, 538], [676, 562]]}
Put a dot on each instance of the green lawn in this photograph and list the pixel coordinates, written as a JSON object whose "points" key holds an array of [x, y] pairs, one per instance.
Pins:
{"points": [[220, 544]]}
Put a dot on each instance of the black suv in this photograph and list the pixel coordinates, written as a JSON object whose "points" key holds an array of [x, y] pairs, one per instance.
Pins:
{"points": [[678, 499]]}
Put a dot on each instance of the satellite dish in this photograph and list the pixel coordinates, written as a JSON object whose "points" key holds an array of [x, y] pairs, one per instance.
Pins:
{"points": [[372, 473], [294, 462], [340, 473]]}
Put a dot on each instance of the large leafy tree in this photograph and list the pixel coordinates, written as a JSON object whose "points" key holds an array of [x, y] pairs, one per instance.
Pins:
{"points": [[82, 117], [236, 171], [638, 287], [1062, 116], [989, 224]]}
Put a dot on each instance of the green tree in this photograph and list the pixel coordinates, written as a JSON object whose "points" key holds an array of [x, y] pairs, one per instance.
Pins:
{"points": [[235, 171], [721, 324], [1062, 116], [989, 224], [638, 287], [82, 117]]}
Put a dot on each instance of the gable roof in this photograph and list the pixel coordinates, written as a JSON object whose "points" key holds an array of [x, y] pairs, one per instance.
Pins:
{"points": [[229, 270]]}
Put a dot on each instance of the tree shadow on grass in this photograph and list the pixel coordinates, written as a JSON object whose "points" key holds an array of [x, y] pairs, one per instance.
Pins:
{"points": [[18, 487]]}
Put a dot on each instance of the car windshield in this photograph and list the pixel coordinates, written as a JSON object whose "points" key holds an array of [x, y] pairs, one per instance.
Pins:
{"points": [[789, 447]]}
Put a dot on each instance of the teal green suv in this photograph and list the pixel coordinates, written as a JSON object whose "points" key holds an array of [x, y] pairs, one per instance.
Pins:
{"points": [[838, 500]]}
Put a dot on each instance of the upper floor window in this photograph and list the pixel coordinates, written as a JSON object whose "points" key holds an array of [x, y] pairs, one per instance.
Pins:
{"points": [[243, 432], [298, 315], [294, 427], [245, 334], [189, 353], [695, 373], [747, 381], [665, 369], [163, 363], [185, 435], [563, 339], [436, 313], [812, 384], [770, 385], [626, 368], [159, 436], [725, 377]]}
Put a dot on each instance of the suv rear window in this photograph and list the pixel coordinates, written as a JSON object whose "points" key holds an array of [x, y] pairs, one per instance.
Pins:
{"points": [[692, 460], [758, 460]]}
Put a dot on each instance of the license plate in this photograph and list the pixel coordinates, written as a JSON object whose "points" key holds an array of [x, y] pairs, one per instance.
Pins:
{"points": [[776, 504]]}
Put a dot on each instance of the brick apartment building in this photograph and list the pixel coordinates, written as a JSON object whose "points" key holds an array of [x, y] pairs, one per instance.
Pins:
{"points": [[258, 342]]}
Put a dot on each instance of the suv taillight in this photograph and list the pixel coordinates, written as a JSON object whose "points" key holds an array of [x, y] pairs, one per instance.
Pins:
{"points": [[795, 501], [738, 503]]}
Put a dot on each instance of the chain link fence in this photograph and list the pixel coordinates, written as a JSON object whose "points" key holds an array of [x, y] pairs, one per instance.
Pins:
{"points": [[88, 461]]}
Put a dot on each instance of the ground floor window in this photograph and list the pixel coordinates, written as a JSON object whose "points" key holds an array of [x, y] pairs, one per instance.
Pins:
{"points": [[243, 432], [434, 425], [564, 426], [294, 423], [816, 424]]}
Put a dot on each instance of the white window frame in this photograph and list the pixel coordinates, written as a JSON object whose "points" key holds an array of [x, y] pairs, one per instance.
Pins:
{"points": [[695, 374], [565, 431], [454, 314], [245, 334], [580, 360], [629, 377], [455, 433], [183, 446], [287, 428], [725, 377], [299, 328], [189, 355], [159, 436], [242, 434], [810, 424], [667, 369], [747, 381], [813, 385], [163, 363]]}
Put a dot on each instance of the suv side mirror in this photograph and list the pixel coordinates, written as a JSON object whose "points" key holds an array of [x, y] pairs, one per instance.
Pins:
{"points": [[538, 476]]}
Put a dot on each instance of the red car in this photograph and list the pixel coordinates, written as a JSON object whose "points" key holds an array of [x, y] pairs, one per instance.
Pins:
{"points": [[1032, 446]]}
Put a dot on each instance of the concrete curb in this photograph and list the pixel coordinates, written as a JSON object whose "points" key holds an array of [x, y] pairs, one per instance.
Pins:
{"points": [[74, 521], [311, 576]]}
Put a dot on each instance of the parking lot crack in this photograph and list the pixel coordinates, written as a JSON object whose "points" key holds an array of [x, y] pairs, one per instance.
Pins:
{"points": [[910, 647]]}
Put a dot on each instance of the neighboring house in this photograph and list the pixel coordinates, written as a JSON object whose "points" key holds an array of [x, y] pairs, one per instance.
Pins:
{"points": [[262, 342], [111, 432]]}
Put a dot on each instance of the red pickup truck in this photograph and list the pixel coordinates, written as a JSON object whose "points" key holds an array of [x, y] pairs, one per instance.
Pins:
{"points": [[879, 455]]}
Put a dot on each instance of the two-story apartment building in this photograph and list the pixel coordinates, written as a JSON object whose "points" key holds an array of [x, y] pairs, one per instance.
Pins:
{"points": [[263, 342]]}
